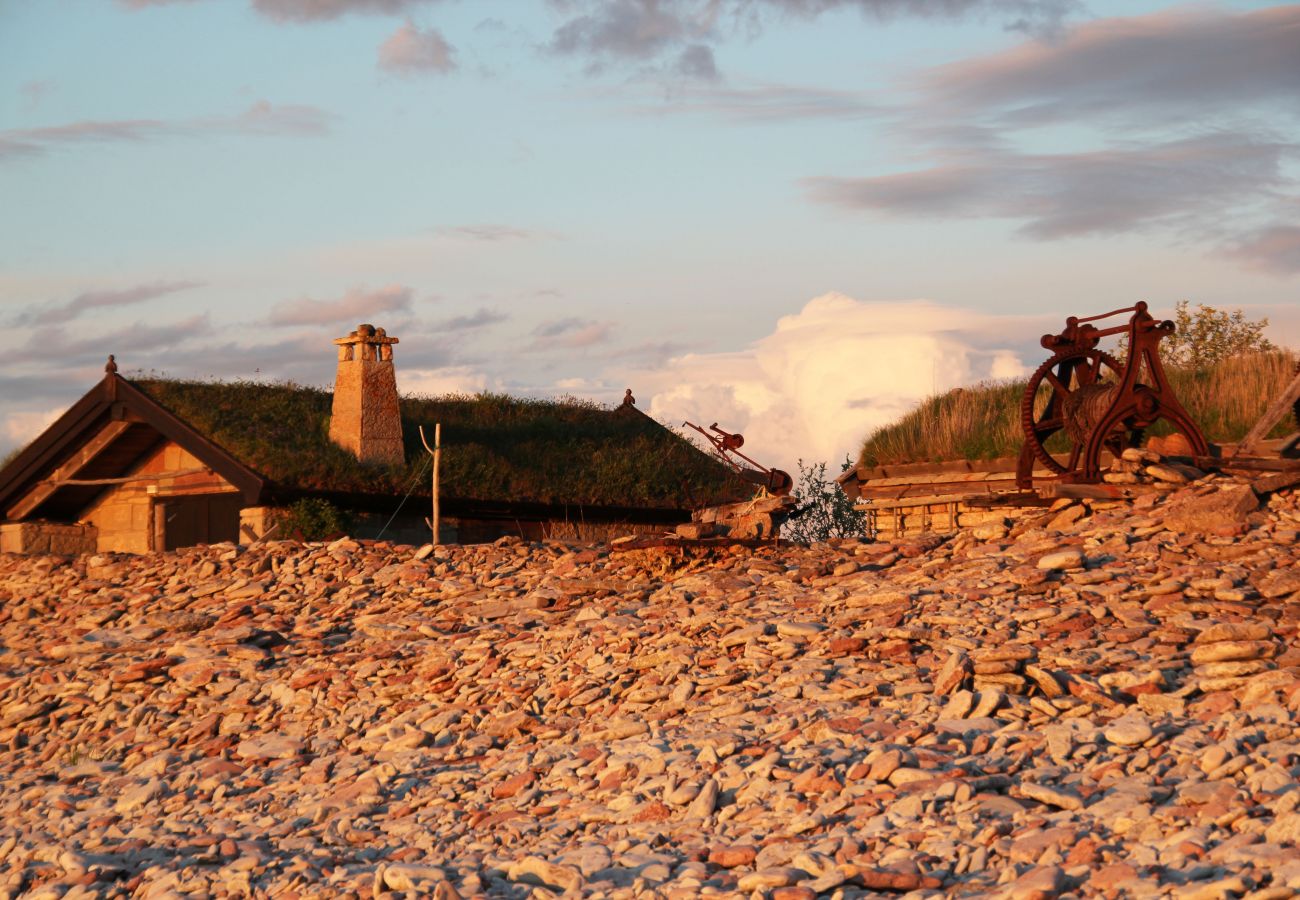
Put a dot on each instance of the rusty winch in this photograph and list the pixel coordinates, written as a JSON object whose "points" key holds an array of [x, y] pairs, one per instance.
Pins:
{"points": [[727, 447], [1097, 402]]}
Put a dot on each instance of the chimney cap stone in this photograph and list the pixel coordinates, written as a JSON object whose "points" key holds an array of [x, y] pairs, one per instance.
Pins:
{"points": [[367, 334]]}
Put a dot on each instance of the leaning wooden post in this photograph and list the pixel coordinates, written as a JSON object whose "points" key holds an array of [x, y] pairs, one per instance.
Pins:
{"points": [[1289, 396], [436, 452]]}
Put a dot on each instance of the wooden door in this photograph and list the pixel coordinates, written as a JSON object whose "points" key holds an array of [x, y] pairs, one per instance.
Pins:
{"points": [[198, 519]]}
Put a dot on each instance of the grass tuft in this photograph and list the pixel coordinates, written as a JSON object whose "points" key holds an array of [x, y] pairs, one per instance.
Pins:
{"points": [[983, 422], [495, 447]]}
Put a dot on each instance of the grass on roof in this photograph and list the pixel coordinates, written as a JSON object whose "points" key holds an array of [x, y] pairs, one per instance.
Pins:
{"points": [[983, 422], [495, 447]]}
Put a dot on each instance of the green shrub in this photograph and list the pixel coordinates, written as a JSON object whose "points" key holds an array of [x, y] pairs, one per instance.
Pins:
{"points": [[825, 511], [312, 519]]}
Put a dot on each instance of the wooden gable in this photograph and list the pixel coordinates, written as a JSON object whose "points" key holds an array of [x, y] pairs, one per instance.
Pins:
{"points": [[107, 439]]}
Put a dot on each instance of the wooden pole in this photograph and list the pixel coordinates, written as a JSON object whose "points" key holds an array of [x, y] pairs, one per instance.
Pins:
{"points": [[1271, 417], [437, 461], [436, 452]]}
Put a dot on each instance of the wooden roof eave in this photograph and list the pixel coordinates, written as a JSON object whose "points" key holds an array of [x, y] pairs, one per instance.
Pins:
{"points": [[51, 445], [250, 484]]}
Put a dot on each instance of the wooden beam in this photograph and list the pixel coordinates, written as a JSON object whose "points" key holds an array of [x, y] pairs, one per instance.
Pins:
{"points": [[1276, 410], [1059, 489], [148, 476], [1252, 464], [42, 490]]}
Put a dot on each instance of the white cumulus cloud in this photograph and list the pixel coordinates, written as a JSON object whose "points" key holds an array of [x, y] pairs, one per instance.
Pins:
{"points": [[440, 381], [21, 427], [831, 373]]}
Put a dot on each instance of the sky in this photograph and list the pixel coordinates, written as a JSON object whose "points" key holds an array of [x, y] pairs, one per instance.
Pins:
{"points": [[796, 218]]}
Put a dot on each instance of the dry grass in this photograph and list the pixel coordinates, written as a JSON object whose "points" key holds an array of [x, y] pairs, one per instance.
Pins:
{"points": [[983, 422]]}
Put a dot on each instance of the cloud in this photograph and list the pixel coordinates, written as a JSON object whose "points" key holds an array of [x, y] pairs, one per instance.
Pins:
{"points": [[570, 333], [409, 51], [34, 92], [1165, 64], [633, 29], [264, 117], [1177, 183], [486, 232], [261, 119], [22, 426], [440, 381], [764, 102], [831, 373], [356, 305], [606, 32], [480, 319], [1275, 249], [56, 344], [90, 300], [321, 10], [696, 62]]}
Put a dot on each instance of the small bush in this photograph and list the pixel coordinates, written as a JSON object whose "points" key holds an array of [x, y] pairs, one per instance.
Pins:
{"points": [[312, 519], [825, 510]]}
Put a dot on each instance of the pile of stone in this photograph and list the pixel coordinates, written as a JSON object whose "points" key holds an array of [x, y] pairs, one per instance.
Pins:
{"points": [[1146, 466], [1106, 704]]}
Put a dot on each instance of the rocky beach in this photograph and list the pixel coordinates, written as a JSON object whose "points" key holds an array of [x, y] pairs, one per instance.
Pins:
{"points": [[1095, 700]]}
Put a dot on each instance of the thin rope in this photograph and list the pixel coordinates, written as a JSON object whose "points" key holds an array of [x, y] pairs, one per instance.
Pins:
{"points": [[414, 480]]}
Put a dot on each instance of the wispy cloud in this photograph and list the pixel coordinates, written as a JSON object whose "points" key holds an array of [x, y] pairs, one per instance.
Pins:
{"points": [[1166, 64], [51, 314], [1188, 89], [139, 341], [304, 10], [261, 119], [320, 10], [354, 306], [1274, 249], [483, 232], [679, 35], [763, 102], [570, 333], [34, 92], [1071, 194], [411, 50], [479, 319]]}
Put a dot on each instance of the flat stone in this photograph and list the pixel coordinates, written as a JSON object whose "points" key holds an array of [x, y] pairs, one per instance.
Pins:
{"points": [[273, 746], [1224, 651], [1129, 730], [1051, 796], [1069, 558]]}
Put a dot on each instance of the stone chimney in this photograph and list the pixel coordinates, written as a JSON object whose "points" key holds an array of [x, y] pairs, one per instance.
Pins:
{"points": [[366, 419]]}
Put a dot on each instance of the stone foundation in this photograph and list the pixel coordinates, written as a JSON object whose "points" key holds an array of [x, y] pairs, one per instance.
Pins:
{"points": [[38, 538]]}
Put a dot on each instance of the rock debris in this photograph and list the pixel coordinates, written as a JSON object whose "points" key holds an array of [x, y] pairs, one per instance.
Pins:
{"points": [[1103, 703]]}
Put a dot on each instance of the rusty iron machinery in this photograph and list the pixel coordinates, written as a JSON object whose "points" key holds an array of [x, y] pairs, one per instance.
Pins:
{"points": [[1098, 402], [726, 446]]}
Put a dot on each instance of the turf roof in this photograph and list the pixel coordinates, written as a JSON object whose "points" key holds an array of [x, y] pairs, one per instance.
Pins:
{"points": [[495, 447]]}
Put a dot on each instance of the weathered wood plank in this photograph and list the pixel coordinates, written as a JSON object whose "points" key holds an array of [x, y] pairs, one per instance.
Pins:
{"points": [[1280, 406], [1057, 489], [1248, 464]]}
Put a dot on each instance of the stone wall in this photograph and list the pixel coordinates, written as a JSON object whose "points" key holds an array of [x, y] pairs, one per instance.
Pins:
{"points": [[123, 514], [941, 518], [47, 537], [255, 523]]}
